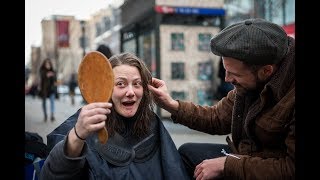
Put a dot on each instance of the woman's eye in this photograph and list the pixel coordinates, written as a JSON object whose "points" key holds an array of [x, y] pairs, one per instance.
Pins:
{"points": [[121, 84], [138, 83]]}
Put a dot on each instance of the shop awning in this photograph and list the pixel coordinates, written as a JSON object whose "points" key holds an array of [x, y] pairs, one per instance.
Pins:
{"points": [[290, 29]]}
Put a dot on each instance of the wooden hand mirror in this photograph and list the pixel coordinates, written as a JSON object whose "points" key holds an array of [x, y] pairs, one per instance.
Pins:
{"points": [[96, 81]]}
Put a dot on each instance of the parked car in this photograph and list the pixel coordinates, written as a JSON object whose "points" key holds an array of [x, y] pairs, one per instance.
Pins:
{"points": [[77, 90], [63, 89]]}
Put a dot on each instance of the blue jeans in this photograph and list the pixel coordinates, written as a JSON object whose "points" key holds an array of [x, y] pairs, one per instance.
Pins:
{"points": [[193, 154], [52, 105]]}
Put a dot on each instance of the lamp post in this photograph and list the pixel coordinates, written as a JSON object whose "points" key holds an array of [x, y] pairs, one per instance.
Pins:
{"points": [[83, 44], [56, 44], [83, 37]]}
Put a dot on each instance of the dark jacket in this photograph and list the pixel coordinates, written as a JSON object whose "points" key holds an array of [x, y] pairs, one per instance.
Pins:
{"points": [[263, 129], [47, 84], [165, 162]]}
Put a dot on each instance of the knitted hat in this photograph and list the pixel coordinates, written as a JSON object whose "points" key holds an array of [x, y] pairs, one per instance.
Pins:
{"points": [[254, 41]]}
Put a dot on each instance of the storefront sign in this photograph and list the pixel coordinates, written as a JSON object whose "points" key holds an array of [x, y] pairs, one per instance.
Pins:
{"points": [[189, 10]]}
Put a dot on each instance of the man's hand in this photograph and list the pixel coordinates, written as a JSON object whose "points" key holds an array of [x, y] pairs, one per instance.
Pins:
{"points": [[210, 169], [161, 95]]}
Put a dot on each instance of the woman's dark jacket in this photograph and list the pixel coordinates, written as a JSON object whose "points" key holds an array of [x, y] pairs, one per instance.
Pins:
{"points": [[47, 84], [155, 157]]}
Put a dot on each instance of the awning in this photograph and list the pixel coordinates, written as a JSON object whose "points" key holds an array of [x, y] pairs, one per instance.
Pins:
{"points": [[290, 29]]}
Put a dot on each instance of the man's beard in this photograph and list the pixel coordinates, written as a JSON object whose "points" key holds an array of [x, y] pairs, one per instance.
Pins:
{"points": [[250, 91], [257, 90]]}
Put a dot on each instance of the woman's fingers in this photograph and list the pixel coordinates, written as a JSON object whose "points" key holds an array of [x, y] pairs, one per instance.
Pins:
{"points": [[92, 117]]}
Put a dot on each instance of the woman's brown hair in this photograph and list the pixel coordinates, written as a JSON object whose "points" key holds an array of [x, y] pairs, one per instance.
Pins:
{"points": [[144, 114]]}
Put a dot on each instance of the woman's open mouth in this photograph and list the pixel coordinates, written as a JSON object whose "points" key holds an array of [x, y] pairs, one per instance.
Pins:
{"points": [[128, 103]]}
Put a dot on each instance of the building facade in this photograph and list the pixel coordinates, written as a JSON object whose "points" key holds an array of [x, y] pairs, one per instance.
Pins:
{"points": [[281, 12], [62, 43], [172, 38], [108, 24]]}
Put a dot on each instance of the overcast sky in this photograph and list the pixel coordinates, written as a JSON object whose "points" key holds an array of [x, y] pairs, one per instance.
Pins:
{"points": [[36, 10]]}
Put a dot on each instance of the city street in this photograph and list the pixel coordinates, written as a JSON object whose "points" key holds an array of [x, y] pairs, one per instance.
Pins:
{"points": [[34, 121]]}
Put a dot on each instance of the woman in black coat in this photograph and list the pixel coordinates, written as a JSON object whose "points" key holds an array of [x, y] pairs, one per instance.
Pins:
{"points": [[48, 88]]}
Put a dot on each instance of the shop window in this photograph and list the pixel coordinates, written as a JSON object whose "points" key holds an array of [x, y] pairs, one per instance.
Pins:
{"points": [[98, 29], [181, 95], [177, 70], [204, 41], [147, 51], [177, 41], [130, 46], [205, 97], [107, 23], [205, 71]]}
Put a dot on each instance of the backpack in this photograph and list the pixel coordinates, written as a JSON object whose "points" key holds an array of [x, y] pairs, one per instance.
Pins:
{"points": [[35, 154]]}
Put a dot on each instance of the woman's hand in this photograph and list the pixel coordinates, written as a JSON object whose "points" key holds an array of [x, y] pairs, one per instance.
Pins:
{"points": [[50, 74], [91, 119]]}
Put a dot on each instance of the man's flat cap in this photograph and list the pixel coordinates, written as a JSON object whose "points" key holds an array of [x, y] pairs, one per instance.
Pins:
{"points": [[254, 41]]}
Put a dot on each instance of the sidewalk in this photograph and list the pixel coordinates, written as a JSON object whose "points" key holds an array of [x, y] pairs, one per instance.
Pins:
{"points": [[34, 122]]}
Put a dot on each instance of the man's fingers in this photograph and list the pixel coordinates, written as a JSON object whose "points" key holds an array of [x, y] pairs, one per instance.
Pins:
{"points": [[157, 82], [154, 90]]}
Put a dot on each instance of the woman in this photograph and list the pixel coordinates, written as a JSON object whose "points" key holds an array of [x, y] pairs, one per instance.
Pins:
{"points": [[48, 87], [139, 146]]}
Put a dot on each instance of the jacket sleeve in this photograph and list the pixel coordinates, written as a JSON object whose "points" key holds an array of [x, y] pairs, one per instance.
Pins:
{"points": [[59, 166], [265, 168], [215, 120]]}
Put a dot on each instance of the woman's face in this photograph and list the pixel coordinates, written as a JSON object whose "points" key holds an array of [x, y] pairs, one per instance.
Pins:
{"points": [[47, 65], [127, 90]]}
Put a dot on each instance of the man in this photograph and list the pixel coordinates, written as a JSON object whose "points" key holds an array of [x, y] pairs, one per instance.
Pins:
{"points": [[259, 59]]}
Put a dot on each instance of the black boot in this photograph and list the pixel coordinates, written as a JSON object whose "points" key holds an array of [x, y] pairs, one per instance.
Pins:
{"points": [[45, 118], [52, 117]]}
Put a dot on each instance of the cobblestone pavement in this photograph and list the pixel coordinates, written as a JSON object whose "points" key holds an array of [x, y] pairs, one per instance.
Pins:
{"points": [[34, 121]]}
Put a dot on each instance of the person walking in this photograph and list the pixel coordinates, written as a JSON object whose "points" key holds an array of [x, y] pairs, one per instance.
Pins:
{"points": [[48, 87], [259, 59], [105, 50]]}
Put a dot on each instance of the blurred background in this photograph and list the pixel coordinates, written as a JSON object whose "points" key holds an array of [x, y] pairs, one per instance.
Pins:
{"points": [[171, 36]]}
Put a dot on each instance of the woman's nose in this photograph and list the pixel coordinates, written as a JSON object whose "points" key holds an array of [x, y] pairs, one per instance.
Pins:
{"points": [[130, 91]]}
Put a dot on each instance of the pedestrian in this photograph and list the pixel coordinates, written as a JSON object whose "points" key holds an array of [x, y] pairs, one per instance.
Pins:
{"points": [[259, 112], [48, 87], [72, 87], [105, 50], [139, 146]]}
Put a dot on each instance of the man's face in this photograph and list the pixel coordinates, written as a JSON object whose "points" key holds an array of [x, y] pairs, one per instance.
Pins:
{"points": [[240, 76]]}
